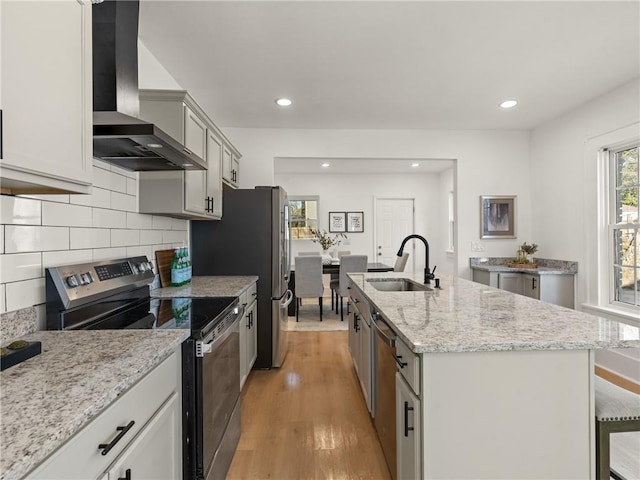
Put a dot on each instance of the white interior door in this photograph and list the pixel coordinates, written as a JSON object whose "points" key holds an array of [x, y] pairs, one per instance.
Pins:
{"points": [[394, 221]]}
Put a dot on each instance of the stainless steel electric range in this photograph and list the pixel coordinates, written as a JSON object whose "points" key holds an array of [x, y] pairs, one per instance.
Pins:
{"points": [[114, 294]]}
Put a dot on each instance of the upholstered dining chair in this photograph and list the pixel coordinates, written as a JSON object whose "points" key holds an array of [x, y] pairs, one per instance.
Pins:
{"points": [[401, 262], [308, 282], [335, 278], [304, 254], [348, 264]]}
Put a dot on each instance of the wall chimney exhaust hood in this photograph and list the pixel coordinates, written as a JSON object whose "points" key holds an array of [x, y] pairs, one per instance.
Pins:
{"points": [[119, 136]]}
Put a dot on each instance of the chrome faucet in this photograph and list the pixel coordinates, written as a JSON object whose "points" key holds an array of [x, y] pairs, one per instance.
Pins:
{"points": [[428, 274]]}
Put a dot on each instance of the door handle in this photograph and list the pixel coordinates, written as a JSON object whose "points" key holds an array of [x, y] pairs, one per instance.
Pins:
{"points": [[398, 360], [407, 428], [106, 447], [127, 475]]}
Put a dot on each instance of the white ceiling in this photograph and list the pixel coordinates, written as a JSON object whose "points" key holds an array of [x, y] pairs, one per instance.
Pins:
{"points": [[393, 65]]}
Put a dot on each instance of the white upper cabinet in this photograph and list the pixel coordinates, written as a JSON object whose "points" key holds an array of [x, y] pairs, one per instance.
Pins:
{"points": [[46, 97], [230, 167], [195, 195]]}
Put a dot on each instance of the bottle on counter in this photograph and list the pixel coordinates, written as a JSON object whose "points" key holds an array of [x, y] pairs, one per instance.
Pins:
{"points": [[175, 269]]}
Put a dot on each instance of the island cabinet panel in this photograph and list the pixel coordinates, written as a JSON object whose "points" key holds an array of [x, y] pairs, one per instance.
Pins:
{"points": [[511, 282], [508, 414], [408, 431]]}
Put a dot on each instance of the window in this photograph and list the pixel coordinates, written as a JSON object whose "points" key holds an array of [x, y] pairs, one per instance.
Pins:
{"points": [[624, 225], [304, 215]]}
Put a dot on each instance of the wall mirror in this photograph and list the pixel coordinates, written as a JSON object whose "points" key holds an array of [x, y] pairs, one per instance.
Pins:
{"points": [[304, 215]]}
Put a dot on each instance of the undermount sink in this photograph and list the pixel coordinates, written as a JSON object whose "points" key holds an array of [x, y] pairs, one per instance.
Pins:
{"points": [[398, 285]]}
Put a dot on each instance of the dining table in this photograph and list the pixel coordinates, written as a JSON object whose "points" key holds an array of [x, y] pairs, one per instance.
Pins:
{"points": [[333, 267]]}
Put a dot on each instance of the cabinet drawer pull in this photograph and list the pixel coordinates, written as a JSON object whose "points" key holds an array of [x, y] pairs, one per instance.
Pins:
{"points": [[398, 360], [127, 475], [407, 428], [123, 431], [186, 151]]}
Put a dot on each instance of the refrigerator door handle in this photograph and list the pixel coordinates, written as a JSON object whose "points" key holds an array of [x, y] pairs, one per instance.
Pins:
{"points": [[287, 299]]}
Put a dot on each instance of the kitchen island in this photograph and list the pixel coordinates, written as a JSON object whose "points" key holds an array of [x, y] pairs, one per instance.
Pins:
{"points": [[47, 400], [503, 383]]}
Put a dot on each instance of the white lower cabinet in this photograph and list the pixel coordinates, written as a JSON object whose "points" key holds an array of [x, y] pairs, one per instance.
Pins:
{"points": [[408, 431], [151, 455], [550, 287], [248, 332], [141, 432]]}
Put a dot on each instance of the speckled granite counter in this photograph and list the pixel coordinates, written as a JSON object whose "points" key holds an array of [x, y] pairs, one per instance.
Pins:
{"points": [[545, 266], [47, 399], [208, 287], [465, 316]]}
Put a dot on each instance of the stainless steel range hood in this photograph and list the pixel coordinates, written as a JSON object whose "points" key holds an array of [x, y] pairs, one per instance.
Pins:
{"points": [[119, 136]]}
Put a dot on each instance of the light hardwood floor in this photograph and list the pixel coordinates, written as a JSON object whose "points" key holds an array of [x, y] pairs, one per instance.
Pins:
{"points": [[308, 419]]}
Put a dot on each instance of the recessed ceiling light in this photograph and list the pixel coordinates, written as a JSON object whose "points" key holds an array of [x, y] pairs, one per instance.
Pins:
{"points": [[284, 102], [509, 104], [325, 165], [415, 165]]}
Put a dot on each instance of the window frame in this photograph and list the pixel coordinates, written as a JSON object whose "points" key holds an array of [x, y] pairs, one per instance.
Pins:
{"points": [[304, 198], [613, 226]]}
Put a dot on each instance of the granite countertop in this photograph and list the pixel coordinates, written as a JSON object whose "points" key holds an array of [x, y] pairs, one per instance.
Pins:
{"points": [[48, 398], [208, 287], [544, 266], [465, 316]]}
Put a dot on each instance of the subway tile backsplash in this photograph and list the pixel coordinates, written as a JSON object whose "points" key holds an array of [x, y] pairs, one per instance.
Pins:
{"points": [[40, 231]]}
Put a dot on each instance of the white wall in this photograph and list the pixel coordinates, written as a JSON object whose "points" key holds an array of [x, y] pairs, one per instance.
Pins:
{"points": [[356, 192], [565, 203], [563, 180], [42, 231], [488, 163]]}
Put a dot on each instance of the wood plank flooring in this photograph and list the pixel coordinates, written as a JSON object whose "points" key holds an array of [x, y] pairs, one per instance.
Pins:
{"points": [[308, 419]]}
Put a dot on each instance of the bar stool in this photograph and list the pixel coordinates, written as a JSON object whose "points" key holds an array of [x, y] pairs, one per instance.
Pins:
{"points": [[617, 410]]}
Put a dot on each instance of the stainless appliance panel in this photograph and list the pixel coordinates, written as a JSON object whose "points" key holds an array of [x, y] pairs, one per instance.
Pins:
{"points": [[220, 372], [385, 391], [279, 318]]}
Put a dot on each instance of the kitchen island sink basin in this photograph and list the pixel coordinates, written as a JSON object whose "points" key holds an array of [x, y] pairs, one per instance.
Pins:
{"points": [[398, 285]]}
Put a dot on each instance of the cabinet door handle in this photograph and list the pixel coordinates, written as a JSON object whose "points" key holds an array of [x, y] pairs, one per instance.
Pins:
{"points": [[407, 428], [251, 319], [186, 151], [123, 431], [127, 475], [398, 360], [533, 283], [356, 327]]}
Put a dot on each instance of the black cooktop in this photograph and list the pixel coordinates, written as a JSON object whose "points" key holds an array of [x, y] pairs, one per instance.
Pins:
{"points": [[200, 315]]}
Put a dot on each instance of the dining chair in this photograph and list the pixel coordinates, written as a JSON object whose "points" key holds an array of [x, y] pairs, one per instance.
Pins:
{"points": [[308, 283], [401, 262], [335, 277], [348, 264], [304, 254]]}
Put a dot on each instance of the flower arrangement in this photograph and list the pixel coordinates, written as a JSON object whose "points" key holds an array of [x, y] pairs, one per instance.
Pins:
{"points": [[325, 240], [524, 251]]}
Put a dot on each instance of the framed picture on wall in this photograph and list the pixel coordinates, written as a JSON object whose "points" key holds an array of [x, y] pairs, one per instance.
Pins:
{"points": [[337, 222], [498, 216], [355, 222]]}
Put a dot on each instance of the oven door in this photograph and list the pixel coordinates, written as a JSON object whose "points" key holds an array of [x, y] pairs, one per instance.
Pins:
{"points": [[218, 391]]}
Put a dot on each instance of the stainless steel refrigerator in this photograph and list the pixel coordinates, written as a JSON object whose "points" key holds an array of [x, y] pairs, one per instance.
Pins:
{"points": [[253, 238]]}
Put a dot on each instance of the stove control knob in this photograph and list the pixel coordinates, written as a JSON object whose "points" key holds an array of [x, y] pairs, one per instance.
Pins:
{"points": [[148, 266], [72, 281], [140, 268], [86, 278]]}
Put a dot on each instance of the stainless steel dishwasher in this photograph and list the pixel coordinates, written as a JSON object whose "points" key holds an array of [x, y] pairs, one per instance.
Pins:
{"points": [[385, 389]]}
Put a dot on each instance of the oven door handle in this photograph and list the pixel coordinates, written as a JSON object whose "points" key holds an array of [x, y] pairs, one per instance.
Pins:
{"points": [[211, 341]]}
